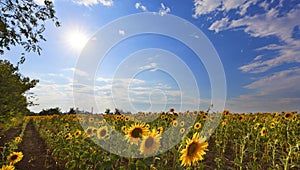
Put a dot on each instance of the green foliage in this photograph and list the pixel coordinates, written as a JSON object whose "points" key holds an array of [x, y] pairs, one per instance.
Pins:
{"points": [[13, 87], [22, 23]]}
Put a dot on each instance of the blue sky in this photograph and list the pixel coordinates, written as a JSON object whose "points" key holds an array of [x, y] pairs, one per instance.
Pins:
{"points": [[257, 41]]}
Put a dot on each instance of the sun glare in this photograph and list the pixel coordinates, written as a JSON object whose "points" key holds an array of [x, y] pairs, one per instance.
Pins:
{"points": [[76, 40]]}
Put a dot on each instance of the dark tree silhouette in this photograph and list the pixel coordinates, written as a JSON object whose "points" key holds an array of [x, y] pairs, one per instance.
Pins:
{"points": [[72, 111], [13, 87], [22, 23], [50, 111]]}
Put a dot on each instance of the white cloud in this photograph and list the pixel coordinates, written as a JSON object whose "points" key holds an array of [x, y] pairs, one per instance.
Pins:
{"points": [[121, 32], [279, 91], [232, 4], [219, 25], [205, 6], [164, 10], [77, 71], [94, 2], [244, 7], [267, 24], [139, 5], [259, 57], [149, 66]]}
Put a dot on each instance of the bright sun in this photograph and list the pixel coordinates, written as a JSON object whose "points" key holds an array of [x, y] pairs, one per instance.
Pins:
{"points": [[76, 40]]}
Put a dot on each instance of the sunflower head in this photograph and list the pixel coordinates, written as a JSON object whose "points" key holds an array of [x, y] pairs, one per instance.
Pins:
{"points": [[182, 123], [263, 131], [174, 123], [194, 150], [288, 115], [147, 126], [172, 110], [8, 167], [256, 126], [135, 132], [89, 131], [15, 157], [226, 112], [197, 126], [18, 139], [272, 125], [150, 143], [160, 130], [68, 136], [102, 132], [224, 122], [77, 133], [123, 128], [182, 130], [241, 117]]}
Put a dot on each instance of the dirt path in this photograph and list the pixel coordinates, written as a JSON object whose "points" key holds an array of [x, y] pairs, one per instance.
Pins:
{"points": [[35, 152], [9, 135]]}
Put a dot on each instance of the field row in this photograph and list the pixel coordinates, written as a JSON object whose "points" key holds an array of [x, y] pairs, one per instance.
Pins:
{"points": [[173, 141]]}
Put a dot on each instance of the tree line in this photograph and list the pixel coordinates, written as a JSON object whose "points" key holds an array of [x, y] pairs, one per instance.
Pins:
{"points": [[22, 24]]}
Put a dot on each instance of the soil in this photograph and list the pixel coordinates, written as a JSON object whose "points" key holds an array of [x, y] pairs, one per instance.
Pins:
{"points": [[36, 154], [9, 135]]}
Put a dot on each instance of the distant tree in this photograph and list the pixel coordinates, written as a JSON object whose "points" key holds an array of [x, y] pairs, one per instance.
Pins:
{"points": [[72, 111], [51, 111], [22, 23], [107, 111], [14, 91], [117, 111]]}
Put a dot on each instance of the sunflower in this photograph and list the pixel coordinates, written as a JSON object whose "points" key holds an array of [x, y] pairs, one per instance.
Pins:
{"points": [[89, 131], [182, 130], [294, 118], [160, 130], [77, 133], [194, 150], [263, 131], [102, 132], [172, 110], [7, 167], [204, 117], [288, 115], [174, 123], [135, 132], [15, 157], [197, 126], [241, 118], [91, 119], [123, 128], [18, 139], [182, 123], [95, 131], [224, 122], [256, 126], [68, 136], [272, 125], [226, 112], [150, 143], [147, 126]]}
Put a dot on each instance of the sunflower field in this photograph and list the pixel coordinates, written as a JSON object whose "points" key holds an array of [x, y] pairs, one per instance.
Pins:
{"points": [[171, 140]]}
